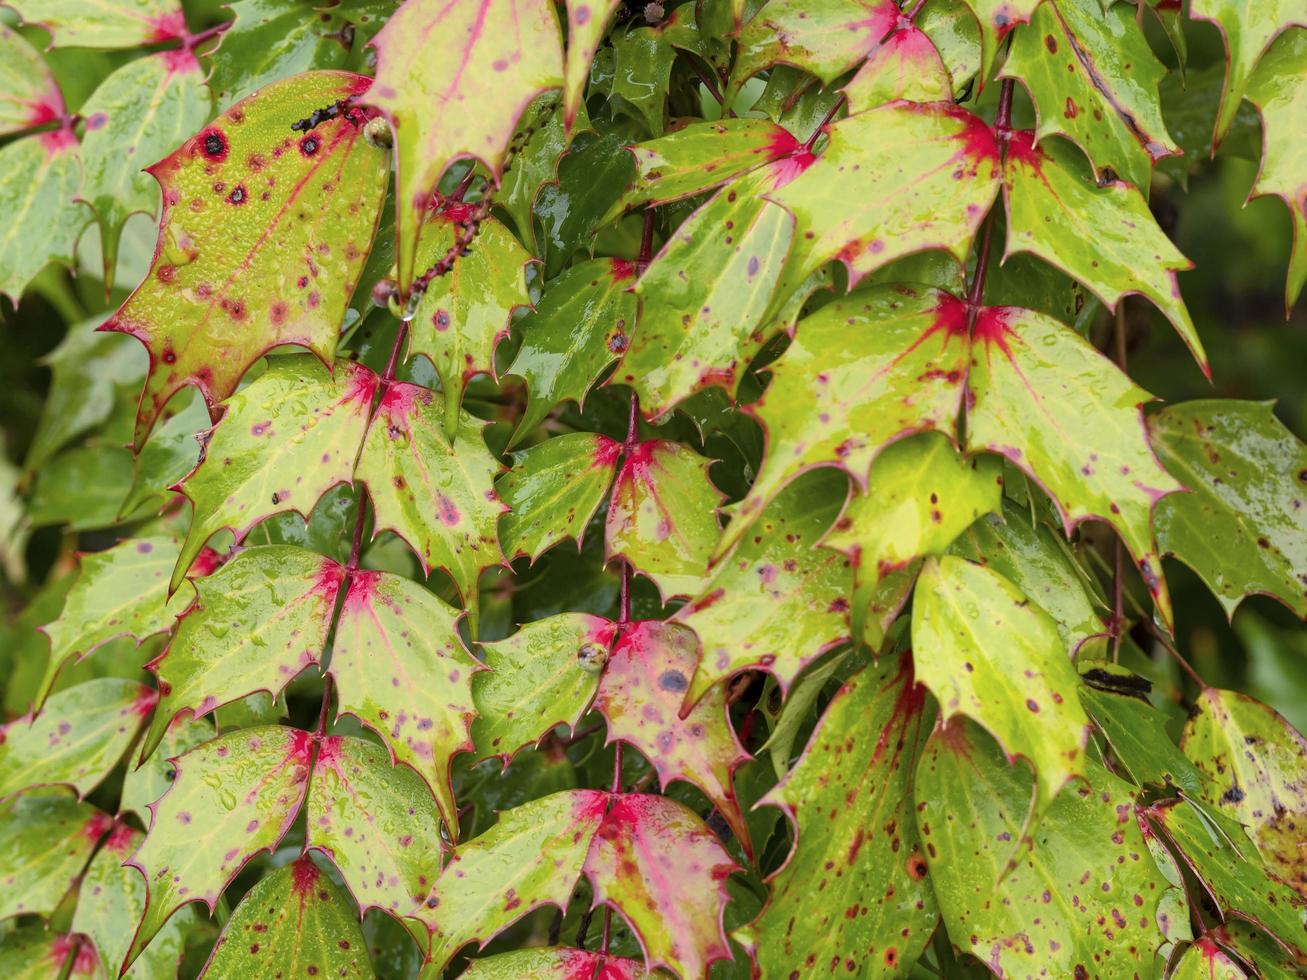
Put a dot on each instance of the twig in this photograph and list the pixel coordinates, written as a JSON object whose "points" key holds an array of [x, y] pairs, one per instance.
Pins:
{"points": [[1169, 647], [826, 120], [1118, 550]]}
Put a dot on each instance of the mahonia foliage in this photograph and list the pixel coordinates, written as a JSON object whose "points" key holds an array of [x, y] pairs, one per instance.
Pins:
{"points": [[624, 489]]}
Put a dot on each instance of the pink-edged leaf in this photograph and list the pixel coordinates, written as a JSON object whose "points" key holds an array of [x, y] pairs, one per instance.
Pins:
{"points": [[640, 696], [45, 842], [554, 963], [35, 952], [905, 65], [997, 18], [586, 22], [29, 95], [255, 187], [104, 23]]}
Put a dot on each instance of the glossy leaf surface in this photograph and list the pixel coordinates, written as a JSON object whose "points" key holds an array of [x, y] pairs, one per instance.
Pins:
{"points": [[996, 19], [45, 842], [823, 37], [905, 65], [586, 22]]}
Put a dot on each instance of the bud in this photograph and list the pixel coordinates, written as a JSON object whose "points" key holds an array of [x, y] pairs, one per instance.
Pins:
{"points": [[377, 133], [384, 291], [591, 657]]}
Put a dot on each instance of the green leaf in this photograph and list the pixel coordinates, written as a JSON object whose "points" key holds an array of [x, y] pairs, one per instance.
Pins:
{"points": [[985, 652], [586, 23], [284, 441], [45, 842], [640, 697], [463, 315], [532, 857], [894, 180], [258, 621], [1240, 528], [1104, 236], [171, 451], [376, 821], [466, 59], [249, 181], [1254, 762], [1064, 413], [103, 23], [34, 952], [921, 494], [1093, 79], [31, 95], [779, 602], [434, 492], [145, 783], [570, 210], [796, 711], [533, 161], [1082, 892], [552, 963], [232, 797], [39, 176], [581, 325], [882, 363], [1257, 947], [663, 516], [905, 65], [642, 69], [82, 487], [1204, 960], [997, 18], [147, 107], [854, 887], [956, 34], [79, 736], [401, 669], [294, 922], [552, 491]]}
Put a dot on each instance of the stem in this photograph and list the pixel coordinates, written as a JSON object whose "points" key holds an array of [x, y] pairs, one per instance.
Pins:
{"points": [[1118, 550], [826, 121], [1169, 647], [713, 89], [646, 241], [192, 41], [463, 185], [1003, 128], [916, 9]]}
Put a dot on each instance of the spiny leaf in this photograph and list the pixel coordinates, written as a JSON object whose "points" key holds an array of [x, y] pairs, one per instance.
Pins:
{"points": [[45, 842], [921, 494], [147, 782], [905, 65], [1083, 895], [640, 697], [553, 489], [586, 23], [1104, 236], [401, 669], [582, 324], [543, 675], [148, 106], [850, 800], [79, 736], [1241, 528], [1255, 946], [895, 180], [785, 728], [882, 363], [1094, 79], [480, 63], [284, 441], [663, 516], [997, 18], [778, 602], [31, 97], [1070, 418], [103, 23], [552, 963], [1254, 761], [376, 821], [435, 492], [34, 952], [294, 922], [264, 190], [233, 797], [642, 66], [258, 621], [984, 651], [38, 182], [171, 451]]}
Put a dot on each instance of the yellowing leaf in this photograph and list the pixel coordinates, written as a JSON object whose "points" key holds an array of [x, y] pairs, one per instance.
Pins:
{"points": [[45, 842], [104, 23], [550, 963], [29, 95], [38, 183], [905, 65], [997, 18]]}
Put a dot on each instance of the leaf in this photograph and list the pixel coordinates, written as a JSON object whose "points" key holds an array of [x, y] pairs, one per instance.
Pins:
{"points": [[34, 952], [82, 487], [145, 783], [1247, 35], [895, 180], [532, 162], [1254, 761], [882, 363], [1240, 526], [1093, 79], [655, 862], [553, 489], [31, 95], [640, 698], [1279, 91], [434, 492], [542, 676], [232, 797], [294, 922], [481, 63], [552, 963], [103, 24], [921, 494], [642, 70], [663, 516], [1082, 893], [401, 669], [147, 107], [121, 591], [252, 182], [532, 857], [1204, 959], [1070, 418], [905, 65], [463, 315], [850, 800], [45, 842], [258, 622], [796, 711], [997, 18], [38, 181], [586, 23], [376, 821], [1104, 236], [985, 652], [171, 451], [582, 324], [779, 602], [76, 739], [284, 441], [571, 210]]}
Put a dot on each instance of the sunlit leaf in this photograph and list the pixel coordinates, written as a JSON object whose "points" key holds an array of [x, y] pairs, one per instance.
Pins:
{"points": [[45, 842]]}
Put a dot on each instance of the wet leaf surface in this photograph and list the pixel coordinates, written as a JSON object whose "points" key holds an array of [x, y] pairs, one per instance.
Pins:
{"points": [[45, 842]]}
